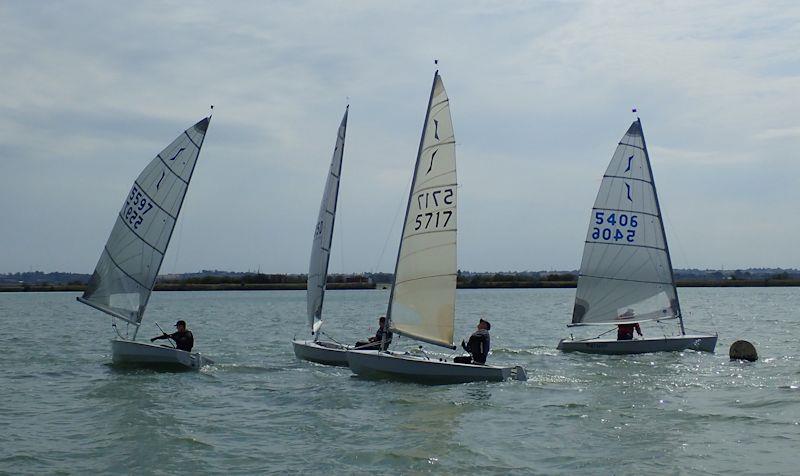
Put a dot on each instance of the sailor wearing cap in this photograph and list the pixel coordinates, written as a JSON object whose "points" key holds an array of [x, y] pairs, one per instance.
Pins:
{"points": [[478, 345], [184, 340]]}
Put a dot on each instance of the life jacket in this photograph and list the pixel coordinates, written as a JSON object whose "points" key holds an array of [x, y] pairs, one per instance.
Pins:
{"points": [[479, 343]]}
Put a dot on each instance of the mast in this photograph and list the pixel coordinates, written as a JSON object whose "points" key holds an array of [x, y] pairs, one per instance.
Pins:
{"points": [[663, 232], [408, 205]]}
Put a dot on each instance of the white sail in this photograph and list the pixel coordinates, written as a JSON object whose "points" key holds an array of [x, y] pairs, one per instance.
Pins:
{"points": [[422, 301], [323, 233], [129, 263], [626, 273]]}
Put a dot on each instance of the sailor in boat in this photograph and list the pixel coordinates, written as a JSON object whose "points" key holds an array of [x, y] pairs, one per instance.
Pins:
{"points": [[625, 331], [184, 340], [478, 345], [374, 343]]}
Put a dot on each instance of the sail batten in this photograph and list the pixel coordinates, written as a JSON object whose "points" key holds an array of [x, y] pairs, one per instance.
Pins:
{"points": [[422, 299], [323, 233], [628, 178], [135, 182], [131, 258], [632, 246], [626, 274], [622, 279], [172, 171]]}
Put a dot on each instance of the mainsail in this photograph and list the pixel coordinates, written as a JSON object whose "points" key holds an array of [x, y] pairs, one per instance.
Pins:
{"points": [[422, 300], [126, 272], [626, 273], [323, 233]]}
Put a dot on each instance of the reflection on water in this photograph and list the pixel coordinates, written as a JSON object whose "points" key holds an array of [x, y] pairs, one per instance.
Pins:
{"points": [[64, 408]]}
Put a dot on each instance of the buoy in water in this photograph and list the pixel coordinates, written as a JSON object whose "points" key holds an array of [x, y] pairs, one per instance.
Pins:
{"points": [[743, 350]]}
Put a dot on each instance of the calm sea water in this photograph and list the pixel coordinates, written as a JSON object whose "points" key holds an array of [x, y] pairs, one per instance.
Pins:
{"points": [[65, 409]]}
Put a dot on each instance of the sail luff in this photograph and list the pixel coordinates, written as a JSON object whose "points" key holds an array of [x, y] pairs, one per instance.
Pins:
{"points": [[323, 235], [663, 231], [408, 203]]}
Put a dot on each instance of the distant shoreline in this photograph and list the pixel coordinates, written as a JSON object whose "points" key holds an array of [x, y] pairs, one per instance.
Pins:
{"points": [[725, 283]]}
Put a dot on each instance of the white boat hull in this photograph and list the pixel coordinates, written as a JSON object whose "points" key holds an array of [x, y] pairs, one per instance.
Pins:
{"points": [[401, 366], [127, 352], [321, 352], [704, 343]]}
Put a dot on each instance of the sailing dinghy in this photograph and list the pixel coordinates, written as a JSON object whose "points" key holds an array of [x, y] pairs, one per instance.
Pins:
{"points": [[129, 263], [422, 298], [316, 350], [626, 273]]}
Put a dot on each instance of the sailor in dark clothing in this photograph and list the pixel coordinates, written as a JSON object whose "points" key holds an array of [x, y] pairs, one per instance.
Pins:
{"points": [[478, 345], [184, 340], [625, 331], [374, 343]]}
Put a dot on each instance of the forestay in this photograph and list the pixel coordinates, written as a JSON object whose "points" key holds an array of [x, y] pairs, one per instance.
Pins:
{"points": [[422, 301], [323, 233], [126, 272], [626, 273]]}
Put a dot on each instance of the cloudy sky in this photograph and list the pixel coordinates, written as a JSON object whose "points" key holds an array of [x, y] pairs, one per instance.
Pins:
{"points": [[540, 94]]}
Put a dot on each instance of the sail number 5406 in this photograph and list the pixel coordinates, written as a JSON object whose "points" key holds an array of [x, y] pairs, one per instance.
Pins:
{"points": [[628, 223]]}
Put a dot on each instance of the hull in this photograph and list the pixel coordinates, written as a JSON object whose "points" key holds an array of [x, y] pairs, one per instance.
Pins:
{"points": [[327, 353], [142, 354], [704, 343], [394, 365]]}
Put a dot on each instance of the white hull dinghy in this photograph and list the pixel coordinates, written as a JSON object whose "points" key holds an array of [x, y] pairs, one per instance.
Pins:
{"points": [[700, 343], [626, 275], [316, 350], [422, 298], [126, 273], [404, 366], [321, 352], [143, 354]]}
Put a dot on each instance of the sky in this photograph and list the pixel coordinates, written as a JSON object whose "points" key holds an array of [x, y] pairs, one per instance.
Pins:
{"points": [[540, 94]]}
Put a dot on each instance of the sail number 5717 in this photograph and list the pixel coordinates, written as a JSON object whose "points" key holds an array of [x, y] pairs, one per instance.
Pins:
{"points": [[428, 202], [622, 226]]}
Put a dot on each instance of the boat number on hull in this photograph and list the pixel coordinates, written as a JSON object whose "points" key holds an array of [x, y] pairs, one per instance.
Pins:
{"points": [[619, 226], [135, 208], [430, 204]]}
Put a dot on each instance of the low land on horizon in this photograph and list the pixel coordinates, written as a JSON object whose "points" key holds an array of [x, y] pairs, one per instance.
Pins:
{"points": [[37, 281]]}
